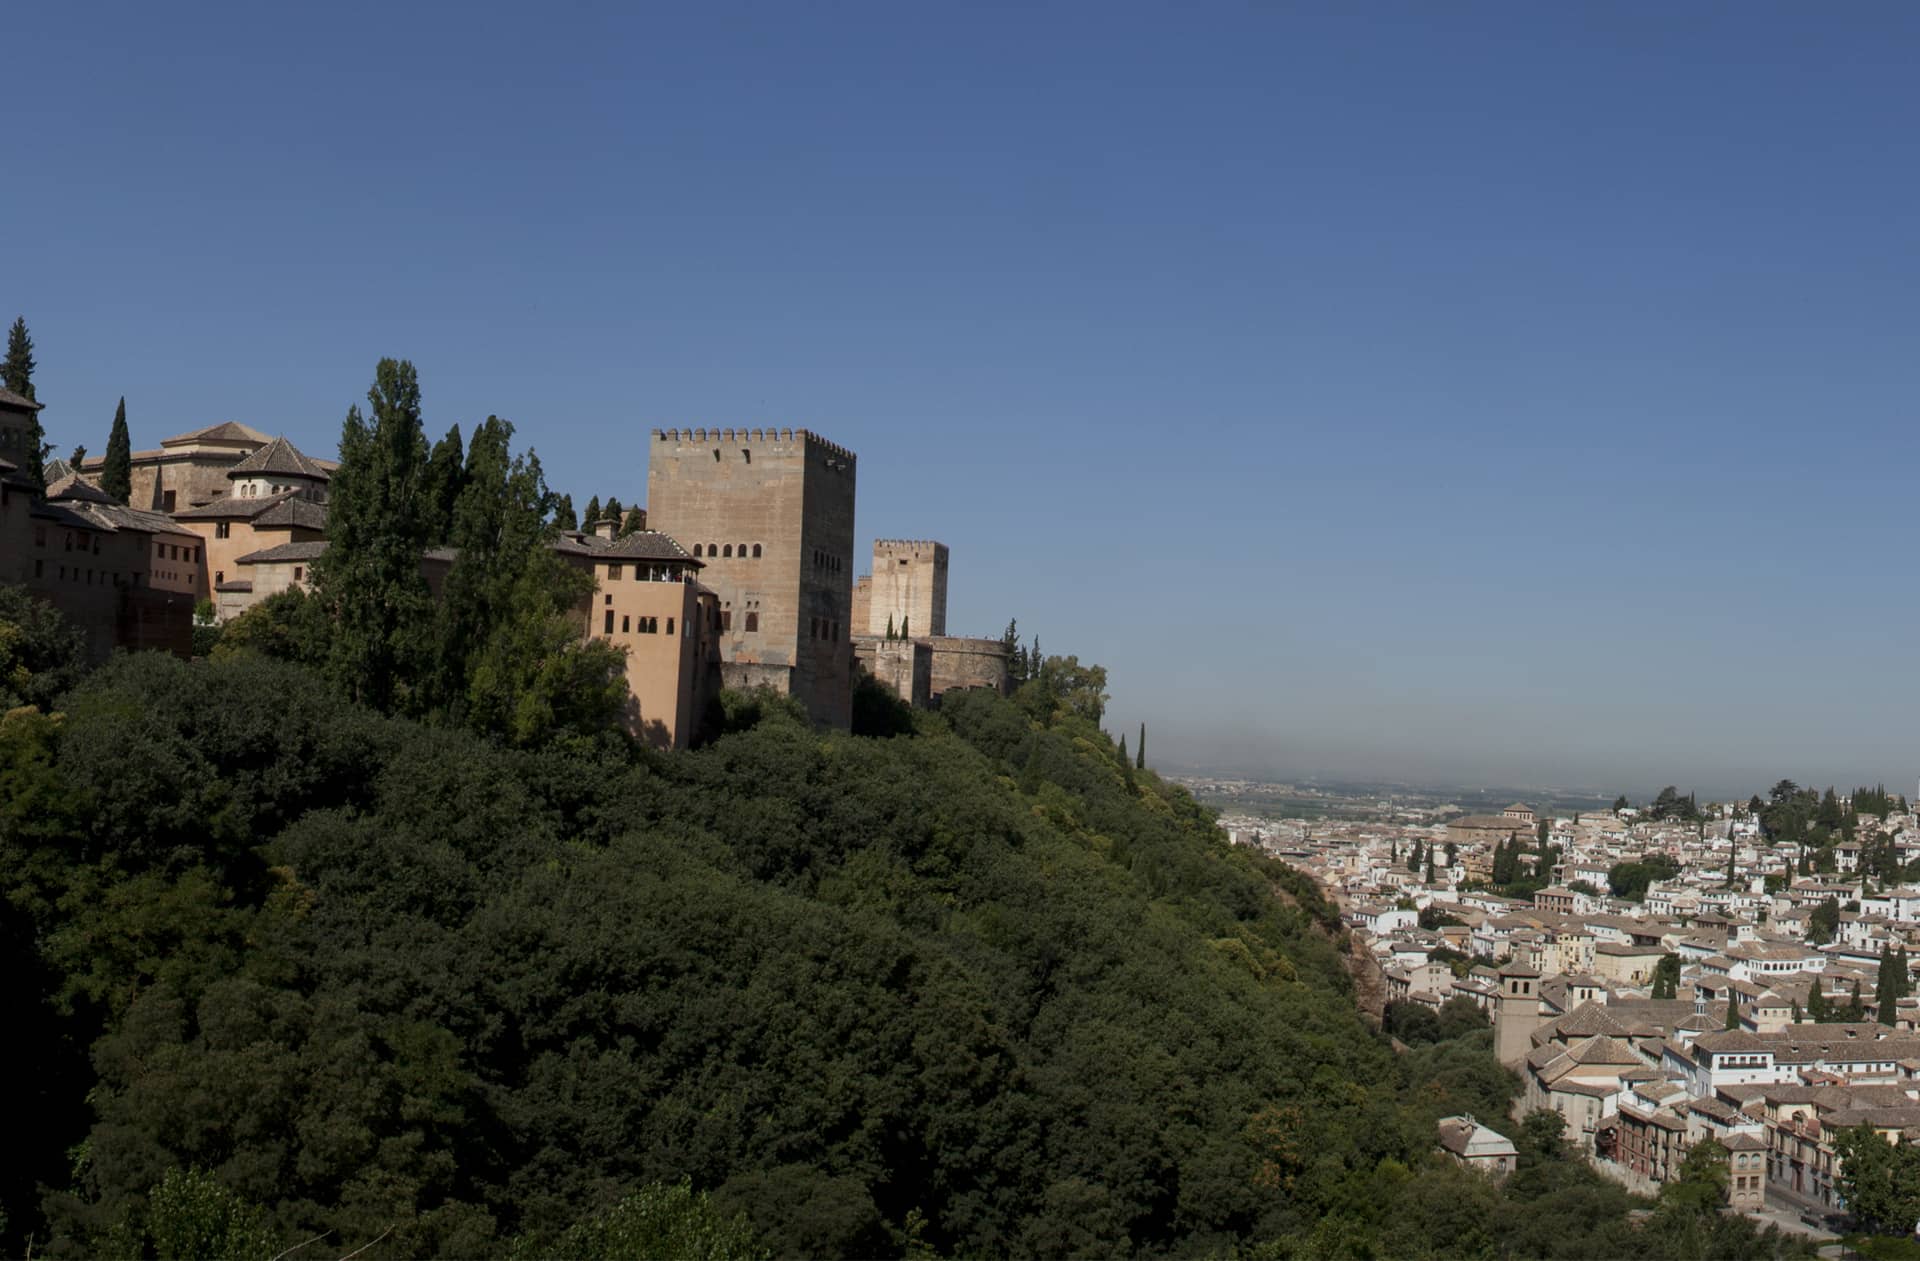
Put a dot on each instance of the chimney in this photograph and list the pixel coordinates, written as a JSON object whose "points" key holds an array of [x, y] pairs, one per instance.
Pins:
{"points": [[604, 528]]}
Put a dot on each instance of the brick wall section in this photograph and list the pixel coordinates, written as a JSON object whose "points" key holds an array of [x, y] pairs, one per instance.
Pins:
{"points": [[784, 498]]}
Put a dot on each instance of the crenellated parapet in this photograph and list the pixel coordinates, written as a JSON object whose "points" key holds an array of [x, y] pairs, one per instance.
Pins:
{"points": [[805, 436]]}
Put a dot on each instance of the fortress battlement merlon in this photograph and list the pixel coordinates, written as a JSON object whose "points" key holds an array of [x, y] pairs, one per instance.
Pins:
{"points": [[754, 435], [908, 543]]}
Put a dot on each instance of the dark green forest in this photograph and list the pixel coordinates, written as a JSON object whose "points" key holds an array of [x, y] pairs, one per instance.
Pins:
{"points": [[284, 970]]}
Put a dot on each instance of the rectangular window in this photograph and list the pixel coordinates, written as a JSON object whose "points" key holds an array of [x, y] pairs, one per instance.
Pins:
{"points": [[623, 626], [221, 529], [726, 619], [613, 571], [166, 501], [669, 626], [609, 621], [297, 572], [39, 568]]}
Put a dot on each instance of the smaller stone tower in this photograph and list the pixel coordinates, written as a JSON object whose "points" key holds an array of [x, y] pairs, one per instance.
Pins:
{"points": [[909, 588], [1518, 1014]]}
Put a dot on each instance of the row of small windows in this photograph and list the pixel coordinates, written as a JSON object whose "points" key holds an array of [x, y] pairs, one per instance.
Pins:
{"points": [[647, 625], [172, 551], [826, 628], [725, 550], [826, 560]]}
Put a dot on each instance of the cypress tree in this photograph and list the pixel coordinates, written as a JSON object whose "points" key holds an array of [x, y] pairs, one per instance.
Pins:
{"points": [[1140, 762], [1817, 1004], [16, 374], [378, 522], [903, 627], [1429, 864], [612, 512], [116, 476], [563, 517], [1796, 1011], [889, 626], [1886, 990], [446, 477], [1733, 1010], [593, 513], [635, 522], [1855, 1008], [1123, 749]]}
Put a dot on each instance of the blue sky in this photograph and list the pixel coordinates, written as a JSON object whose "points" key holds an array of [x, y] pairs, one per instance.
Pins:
{"points": [[1505, 393]]}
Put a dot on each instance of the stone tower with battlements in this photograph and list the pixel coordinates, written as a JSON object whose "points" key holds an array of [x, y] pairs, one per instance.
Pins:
{"points": [[769, 512], [909, 588]]}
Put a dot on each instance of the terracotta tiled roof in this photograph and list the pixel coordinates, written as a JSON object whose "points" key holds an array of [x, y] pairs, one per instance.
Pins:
{"points": [[284, 551], [225, 431], [278, 457], [232, 507], [646, 545], [298, 513]]}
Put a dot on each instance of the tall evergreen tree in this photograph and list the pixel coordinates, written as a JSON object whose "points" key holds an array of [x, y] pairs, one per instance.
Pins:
{"points": [[1141, 764], [378, 522], [611, 512], [636, 521], [512, 661], [1010, 644], [1430, 864], [1855, 1008], [1817, 1009], [563, 518], [116, 475], [593, 513], [446, 477], [1886, 990], [16, 374]]}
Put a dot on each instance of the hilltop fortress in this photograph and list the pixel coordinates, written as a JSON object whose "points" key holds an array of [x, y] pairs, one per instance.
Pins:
{"points": [[748, 557]]}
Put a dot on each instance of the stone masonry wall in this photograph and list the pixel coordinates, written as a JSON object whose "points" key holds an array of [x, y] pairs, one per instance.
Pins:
{"points": [[909, 587], [770, 514], [960, 661]]}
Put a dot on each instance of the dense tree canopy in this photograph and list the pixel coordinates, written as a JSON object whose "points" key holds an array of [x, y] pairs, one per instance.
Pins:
{"points": [[289, 968]]}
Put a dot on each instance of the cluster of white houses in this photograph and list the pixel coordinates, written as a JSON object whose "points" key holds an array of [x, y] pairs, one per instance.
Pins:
{"points": [[1568, 979]]}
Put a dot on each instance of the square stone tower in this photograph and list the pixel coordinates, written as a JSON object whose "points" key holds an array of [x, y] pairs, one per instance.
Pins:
{"points": [[769, 512], [909, 588]]}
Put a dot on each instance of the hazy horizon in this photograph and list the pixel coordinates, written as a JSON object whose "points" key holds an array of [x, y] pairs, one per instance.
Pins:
{"points": [[1487, 394]]}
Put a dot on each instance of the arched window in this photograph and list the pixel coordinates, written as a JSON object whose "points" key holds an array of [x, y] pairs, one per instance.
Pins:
{"points": [[753, 622], [756, 551], [696, 549], [743, 550], [727, 551]]}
